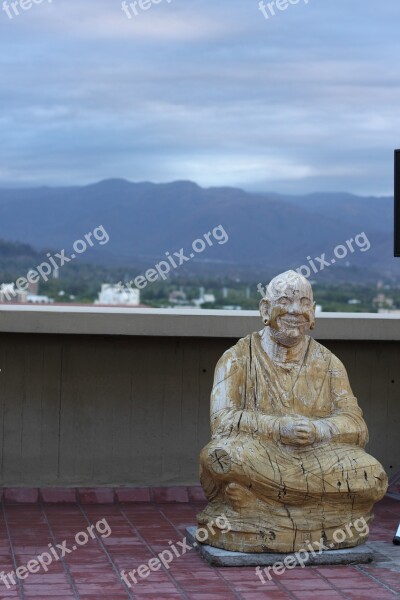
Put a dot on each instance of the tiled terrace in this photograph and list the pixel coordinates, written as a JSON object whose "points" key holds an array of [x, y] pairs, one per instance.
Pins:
{"points": [[117, 397], [141, 530]]}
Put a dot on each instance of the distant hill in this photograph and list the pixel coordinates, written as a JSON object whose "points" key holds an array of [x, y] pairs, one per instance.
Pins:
{"points": [[16, 258], [376, 213], [15, 254], [17, 251], [145, 220]]}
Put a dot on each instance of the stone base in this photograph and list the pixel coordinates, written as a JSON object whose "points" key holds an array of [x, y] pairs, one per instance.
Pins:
{"points": [[224, 558], [273, 527]]}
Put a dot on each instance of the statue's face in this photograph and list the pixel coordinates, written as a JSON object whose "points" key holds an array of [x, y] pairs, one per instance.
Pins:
{"points": [[290, 311]]}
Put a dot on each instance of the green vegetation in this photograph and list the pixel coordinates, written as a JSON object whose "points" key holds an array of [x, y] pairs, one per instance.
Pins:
{"points": [[80, 283]]}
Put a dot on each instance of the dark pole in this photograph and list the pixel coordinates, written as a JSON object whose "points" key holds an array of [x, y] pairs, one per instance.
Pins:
{"points": [[397, 202], [396, 539]]}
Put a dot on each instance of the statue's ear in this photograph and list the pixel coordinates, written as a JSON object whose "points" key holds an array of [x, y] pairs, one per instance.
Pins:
{"points": [[312, 319], [264, 310]]}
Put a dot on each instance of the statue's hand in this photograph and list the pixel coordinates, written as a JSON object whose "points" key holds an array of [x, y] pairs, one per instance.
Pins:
{"points": [[295, 431]]}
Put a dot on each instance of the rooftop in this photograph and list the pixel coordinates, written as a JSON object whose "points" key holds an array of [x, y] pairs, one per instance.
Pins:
{"points": [[140, 531], [79, 391]]}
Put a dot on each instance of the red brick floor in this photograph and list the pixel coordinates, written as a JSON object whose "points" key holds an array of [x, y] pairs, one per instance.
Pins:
{"points": [[139, 531]]}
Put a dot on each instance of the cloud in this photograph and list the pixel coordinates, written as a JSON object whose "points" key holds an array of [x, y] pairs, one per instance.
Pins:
{"points": [[101, 20], [202, 90]]}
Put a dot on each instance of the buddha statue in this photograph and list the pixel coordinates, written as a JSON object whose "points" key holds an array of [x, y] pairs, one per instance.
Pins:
{"points": [[286, 464]]}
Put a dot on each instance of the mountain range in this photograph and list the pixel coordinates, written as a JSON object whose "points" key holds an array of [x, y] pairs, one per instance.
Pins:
{"points": [[145, 220]]}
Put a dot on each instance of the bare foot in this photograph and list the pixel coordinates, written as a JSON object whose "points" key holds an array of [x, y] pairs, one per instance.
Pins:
{"points": [[239, 496]]}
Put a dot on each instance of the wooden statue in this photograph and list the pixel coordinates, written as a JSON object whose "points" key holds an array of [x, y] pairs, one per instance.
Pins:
{"points": [[286, 463]]}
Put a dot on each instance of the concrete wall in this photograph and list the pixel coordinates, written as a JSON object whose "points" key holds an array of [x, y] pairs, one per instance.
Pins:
{"points": [[134, 409]]}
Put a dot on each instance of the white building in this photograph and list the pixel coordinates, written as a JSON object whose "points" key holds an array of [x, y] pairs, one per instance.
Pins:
{"points": [[204, 298], [33, 288], [178, 297], [118, 295], [36, 299], [10, 293]]}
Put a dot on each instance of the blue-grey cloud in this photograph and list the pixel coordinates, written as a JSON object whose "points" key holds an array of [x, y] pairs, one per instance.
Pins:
{"points": [[214, 92]]}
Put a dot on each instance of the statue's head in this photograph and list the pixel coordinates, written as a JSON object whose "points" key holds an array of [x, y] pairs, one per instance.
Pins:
{"points": [[288, 308]]}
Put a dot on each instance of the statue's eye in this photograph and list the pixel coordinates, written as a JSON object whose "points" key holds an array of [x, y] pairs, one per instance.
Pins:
{"points": [[305, 302], [285, 301]]}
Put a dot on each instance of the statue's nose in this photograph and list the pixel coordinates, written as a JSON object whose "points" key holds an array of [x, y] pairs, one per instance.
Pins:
{"points": [[295, 309]]}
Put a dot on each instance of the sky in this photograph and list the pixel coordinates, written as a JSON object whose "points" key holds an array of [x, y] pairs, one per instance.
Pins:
{"points": [[210, 91]]}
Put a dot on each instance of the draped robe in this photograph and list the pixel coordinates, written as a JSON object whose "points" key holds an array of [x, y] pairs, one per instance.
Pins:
{"points": [[311, 488]]}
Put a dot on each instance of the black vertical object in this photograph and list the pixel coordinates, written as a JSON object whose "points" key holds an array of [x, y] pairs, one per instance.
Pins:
{"points": [[397, 202]]}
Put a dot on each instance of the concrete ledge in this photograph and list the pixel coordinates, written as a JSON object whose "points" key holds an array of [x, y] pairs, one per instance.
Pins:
{"points": [[224, 558], [82, 320]]}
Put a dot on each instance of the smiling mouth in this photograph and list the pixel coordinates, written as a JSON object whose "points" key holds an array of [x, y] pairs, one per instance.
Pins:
{"points": [[293, 321]]}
